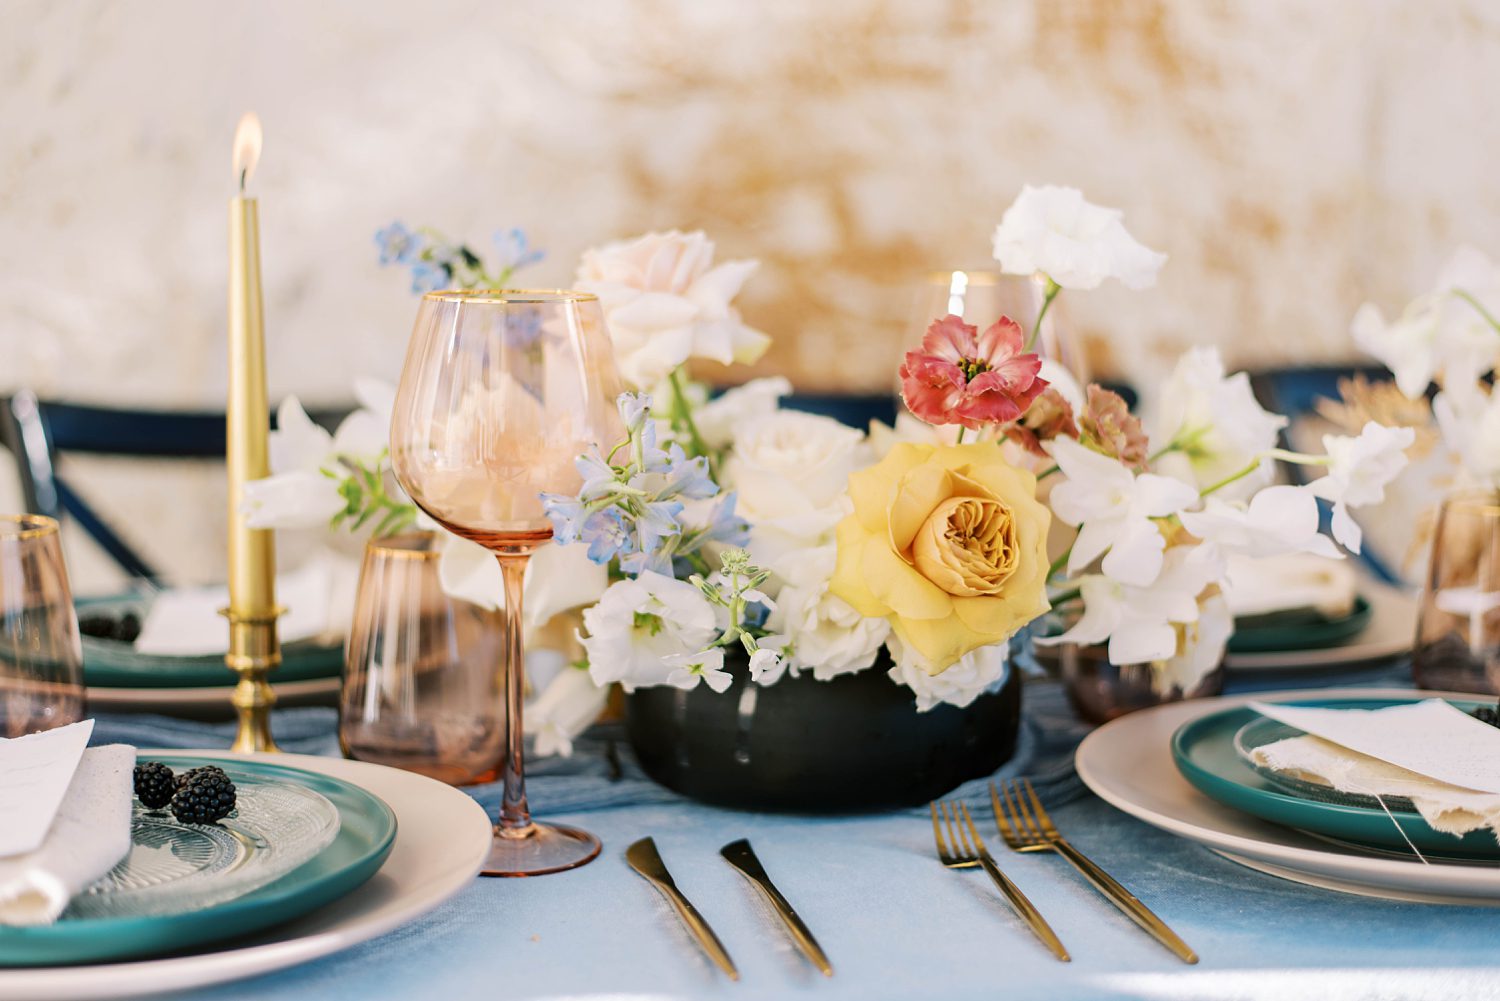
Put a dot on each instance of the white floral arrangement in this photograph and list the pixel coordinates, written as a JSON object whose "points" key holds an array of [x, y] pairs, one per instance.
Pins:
{"points": [[731, 530]]}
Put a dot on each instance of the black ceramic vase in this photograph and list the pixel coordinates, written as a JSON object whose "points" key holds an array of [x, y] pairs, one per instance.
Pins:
{"points": [[855, 743]]}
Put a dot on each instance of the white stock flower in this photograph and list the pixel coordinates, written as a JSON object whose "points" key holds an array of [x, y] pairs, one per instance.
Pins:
{"points": [[1054, 231], [1215, 423], [1278, 519], [638, 624], [826, 635], [1140, 622], [975, 673], [1114, 508], [702, 665], [1470, 423], [721, 418], [1358, 471], [790, 471], [767, 663], [1439, 334], [1201, 646], [566, 707], [665, 302]]}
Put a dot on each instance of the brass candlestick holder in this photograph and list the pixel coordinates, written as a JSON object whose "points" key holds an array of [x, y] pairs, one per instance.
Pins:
{"points": [[254, 652]]}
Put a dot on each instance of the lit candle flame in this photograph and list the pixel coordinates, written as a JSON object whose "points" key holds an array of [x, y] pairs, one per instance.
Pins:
{"points": [[246, 147]]}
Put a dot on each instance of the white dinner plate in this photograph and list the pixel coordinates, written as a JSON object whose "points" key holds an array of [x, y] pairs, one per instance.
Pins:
{"points": [[1392, 629], [1128, 764], [316, 692], [442, 838]]}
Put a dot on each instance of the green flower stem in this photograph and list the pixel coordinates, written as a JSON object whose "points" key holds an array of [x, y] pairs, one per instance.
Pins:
{"points": [[1060, 562], [1048, 472], [1231, 478], [1036, 328], [960, 439], [682, 412], [1065, 597], [1479, 308]]}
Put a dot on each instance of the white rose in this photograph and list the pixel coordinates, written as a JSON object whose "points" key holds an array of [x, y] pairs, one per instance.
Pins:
{"points": [[1215, 423], [1053, 231], [719, 419], [974, 674], [791, 474], [824, 633], [642, 627], [665, 302]]}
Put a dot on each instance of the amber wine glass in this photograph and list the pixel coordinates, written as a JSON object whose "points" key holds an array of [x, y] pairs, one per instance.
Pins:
{"points": [[500, 392]]}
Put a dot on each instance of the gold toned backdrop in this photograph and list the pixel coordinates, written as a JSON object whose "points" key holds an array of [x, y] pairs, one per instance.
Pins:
{"points": [[1294, 158]]}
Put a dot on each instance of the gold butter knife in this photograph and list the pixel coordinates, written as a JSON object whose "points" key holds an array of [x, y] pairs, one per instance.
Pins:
{"points": [[740, 855], [646, 860]]}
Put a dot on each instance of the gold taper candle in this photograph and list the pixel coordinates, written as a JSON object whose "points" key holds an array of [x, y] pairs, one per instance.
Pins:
{"points": [[253, 647]]}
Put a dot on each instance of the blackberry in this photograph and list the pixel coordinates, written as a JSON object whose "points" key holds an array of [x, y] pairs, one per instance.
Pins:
{"points": [[205, 797], [154, 784], [1487, 714], [188, 775], [125, 629]]}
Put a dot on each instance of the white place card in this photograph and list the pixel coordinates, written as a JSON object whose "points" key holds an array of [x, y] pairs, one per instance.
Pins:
{"points": [[35, 771], [1431, 738]]}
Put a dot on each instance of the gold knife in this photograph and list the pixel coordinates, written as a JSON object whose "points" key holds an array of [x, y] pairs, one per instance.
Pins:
{"points": [[646, 860], [740, 855]]}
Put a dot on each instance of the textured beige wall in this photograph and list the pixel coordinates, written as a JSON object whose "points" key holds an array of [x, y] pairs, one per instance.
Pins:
{"points": [[1294, 158]]}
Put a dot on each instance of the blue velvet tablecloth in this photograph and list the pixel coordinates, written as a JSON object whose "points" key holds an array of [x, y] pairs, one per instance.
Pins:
{"points": [[894, 923]]}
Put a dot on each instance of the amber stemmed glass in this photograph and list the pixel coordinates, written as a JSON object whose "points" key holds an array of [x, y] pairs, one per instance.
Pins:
{"points": [[500, 392]]}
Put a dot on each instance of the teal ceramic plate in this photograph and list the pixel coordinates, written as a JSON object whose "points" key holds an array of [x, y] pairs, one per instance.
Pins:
{"points": [[366, 831], [1204, 752], [113, 664], [1299, 629]]}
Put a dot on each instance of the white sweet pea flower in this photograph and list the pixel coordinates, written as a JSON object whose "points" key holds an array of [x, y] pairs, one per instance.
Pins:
{"points": [[299, 493], [1113, 508], [1358, 471], [1470, 423], [790, 471], [1278, 520], [826, 634], [1214, 425], [1200, 648], [665, 302], [558, 578], [566, 707], [1441, 333], [719, 419], [638, 624], [706, 666], [975, 673], [1055, 232], [1140, 622], [884, 437]]}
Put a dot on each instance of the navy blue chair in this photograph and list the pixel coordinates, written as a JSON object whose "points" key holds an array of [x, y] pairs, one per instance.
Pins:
{"points": [[39, 434]]}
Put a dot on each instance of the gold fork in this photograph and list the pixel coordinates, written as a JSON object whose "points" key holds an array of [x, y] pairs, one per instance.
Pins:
{"points": [[1026, 827], [966, 855]]}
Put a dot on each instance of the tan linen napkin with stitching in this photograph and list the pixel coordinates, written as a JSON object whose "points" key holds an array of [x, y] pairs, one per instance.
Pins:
{"points": [[89, 835]]}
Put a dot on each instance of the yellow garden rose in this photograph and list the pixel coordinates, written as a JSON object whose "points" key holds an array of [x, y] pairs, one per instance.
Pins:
{"points": [[949, 543]]}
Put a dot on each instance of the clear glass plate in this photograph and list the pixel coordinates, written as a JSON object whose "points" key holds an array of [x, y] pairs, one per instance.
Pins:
{"points": [[1263, 730], [173, 867]]}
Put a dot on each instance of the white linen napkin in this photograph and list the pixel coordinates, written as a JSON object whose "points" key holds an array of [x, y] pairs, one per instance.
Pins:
{"points": [[186, 622], [1294, 580], [1441, 758], [90, 833]]}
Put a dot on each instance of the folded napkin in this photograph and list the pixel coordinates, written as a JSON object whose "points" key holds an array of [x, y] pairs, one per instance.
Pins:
{"points": [[1442, 759], [186, 622], [90, 833], [1294, 580]]}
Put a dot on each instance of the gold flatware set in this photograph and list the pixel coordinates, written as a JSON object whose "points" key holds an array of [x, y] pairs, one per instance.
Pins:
{"points": [[1023, 824], [646, 860]]}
